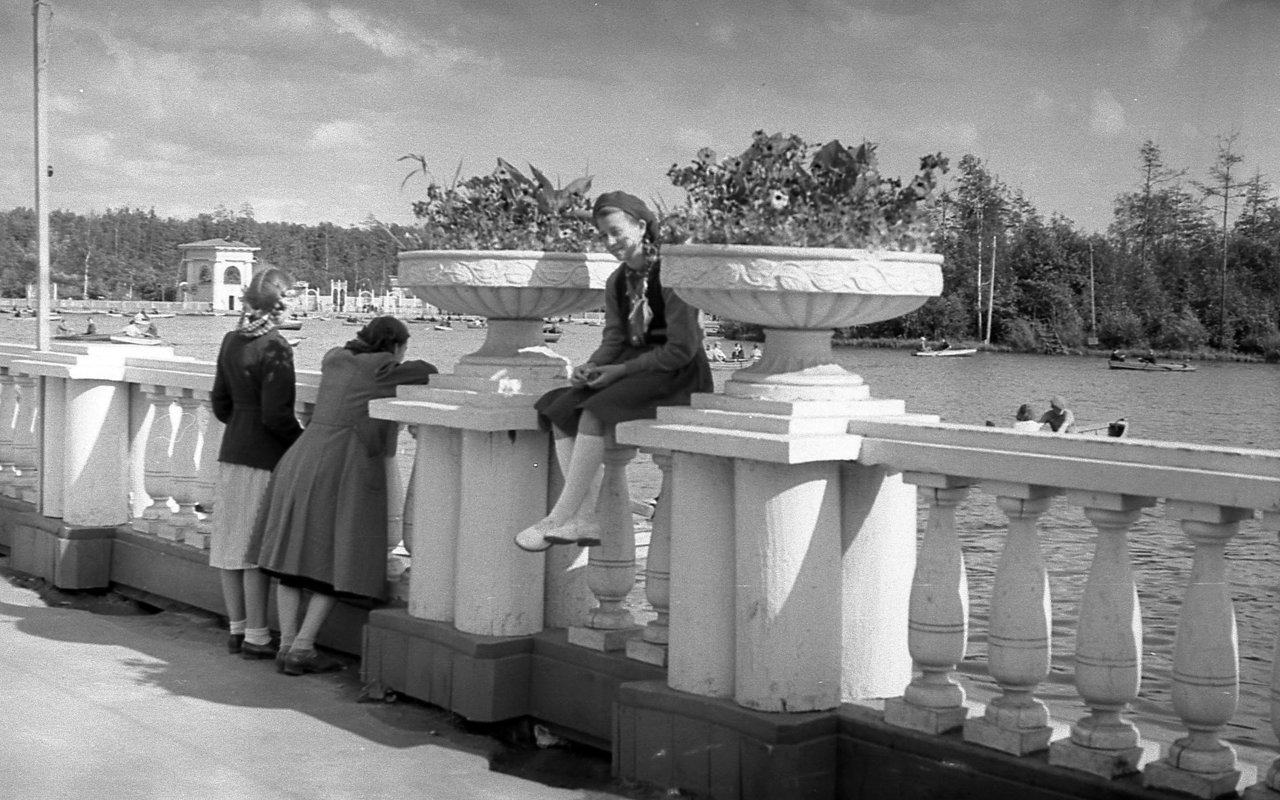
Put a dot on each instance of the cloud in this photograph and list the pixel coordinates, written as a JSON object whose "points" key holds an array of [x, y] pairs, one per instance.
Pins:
{"points": [[338, 134], [1042, 103], [1107, 118]]}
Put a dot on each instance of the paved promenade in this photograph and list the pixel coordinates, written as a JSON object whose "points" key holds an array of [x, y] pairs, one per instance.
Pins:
{"points": [[107, 703]]}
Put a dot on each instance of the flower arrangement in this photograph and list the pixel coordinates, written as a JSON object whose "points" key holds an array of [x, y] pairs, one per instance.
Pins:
{"points": [[504, 210], [784, 191]]}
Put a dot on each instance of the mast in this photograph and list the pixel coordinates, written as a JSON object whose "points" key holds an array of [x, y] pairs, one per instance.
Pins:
{"points": [[40, 33], [1093, 306], [979, 292], [991, 298]]}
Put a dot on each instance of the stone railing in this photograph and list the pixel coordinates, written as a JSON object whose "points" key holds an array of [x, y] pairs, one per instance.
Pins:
{"points": [[1208, 492]]}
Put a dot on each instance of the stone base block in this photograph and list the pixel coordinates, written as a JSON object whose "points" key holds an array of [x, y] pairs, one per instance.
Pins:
{"points": [[1260, 791], [712, 747], [1104, 763], [1017, 742], [648, 652], [197, 539], [65, 556], [605, 641], [482, 678], [169, 531], [575, 689], [899, 712], [1163, 775]]}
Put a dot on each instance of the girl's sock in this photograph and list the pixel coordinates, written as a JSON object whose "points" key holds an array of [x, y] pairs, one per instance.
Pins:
{"points": [[258, 636], [237, 627]]}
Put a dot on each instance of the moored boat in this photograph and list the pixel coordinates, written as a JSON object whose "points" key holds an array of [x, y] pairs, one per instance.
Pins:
{"points": [[949, 352], [123, 338], [1147, 366]]}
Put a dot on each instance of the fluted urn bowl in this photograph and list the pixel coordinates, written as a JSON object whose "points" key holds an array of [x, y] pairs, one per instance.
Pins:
{"points": [[515, 290], [799, 294]]}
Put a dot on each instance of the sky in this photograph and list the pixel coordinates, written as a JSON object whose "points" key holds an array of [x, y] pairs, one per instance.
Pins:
{"points": [[301, 109]]}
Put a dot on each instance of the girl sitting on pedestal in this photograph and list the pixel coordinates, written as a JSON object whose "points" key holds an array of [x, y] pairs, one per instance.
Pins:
{"points": [[650, 355]]}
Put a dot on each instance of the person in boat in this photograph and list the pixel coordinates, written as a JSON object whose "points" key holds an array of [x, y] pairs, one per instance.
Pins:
{"points": [[924, 345], [91, 328], [650, 355], [1118, 428], [141, 327], [944, 344], [1025, 420], [1116, 355], [717, 354], [1059, 418], [1149, 358], [756, 353], [64, 329], [738, 354]]}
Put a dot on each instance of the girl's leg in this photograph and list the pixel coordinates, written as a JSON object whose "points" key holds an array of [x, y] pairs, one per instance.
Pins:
{"points": [[233, 599], [257, 636], [581, 476], [302, 656], [289, 607]]}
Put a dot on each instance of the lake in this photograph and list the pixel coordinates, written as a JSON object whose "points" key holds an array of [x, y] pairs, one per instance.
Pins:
{"points": [[1222, 403]]}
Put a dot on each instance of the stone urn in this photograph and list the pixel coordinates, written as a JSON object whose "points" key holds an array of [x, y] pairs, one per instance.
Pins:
{"points": [[799, 294], [515, 290]]}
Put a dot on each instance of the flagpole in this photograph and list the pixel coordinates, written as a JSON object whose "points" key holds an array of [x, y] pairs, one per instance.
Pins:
{"points": [[43, 170]]}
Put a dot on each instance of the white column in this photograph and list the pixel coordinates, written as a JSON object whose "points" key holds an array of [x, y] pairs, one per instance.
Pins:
{"points": [[157, 469], [1108, 645], [185, 461], [53, 436], [96, 486], [499, 589], [1206, 678], [1018, 642], [8, 423], [651, 647], [788, 578], [206, 481], [433, 544], [1268, 788], [938, 630], [703, 575], [26, 436], [611, 565], [878, 524]]}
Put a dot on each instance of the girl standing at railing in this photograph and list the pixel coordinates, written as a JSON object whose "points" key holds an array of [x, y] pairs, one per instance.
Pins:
{"points": [[253, 395], [324, 528], [650, 355]]}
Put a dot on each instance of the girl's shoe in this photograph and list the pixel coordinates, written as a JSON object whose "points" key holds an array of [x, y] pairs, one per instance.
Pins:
{"points": [[249, 650], [235, 641], [582, 531], [280, 656], [534, 539], [300, 662]]}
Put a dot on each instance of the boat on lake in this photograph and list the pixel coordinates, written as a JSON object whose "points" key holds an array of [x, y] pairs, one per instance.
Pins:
{"points": [[290, 325], [950, 352], [83, 337], [124, 338], [733, 363], [1148, 366]]}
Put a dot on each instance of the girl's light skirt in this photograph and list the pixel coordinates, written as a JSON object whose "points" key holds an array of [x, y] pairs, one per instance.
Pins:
{"points": [[240, 493]]}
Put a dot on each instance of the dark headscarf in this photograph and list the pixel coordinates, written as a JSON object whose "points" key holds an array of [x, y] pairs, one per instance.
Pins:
{"points": [[632, 205], [380, 335]]}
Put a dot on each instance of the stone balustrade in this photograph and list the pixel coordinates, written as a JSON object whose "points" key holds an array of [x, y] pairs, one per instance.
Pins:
{"points": [[1208, 491]]}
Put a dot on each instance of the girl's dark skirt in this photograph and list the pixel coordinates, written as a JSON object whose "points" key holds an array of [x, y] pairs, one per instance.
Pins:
{"points": [[634, 396]]}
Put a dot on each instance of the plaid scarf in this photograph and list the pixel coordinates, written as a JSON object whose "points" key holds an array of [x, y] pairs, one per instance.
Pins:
{"points": [[253, 323]]}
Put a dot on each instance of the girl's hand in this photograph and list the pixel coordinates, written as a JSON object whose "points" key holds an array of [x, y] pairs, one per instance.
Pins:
{"points": [[606, 375], [582, 375]]}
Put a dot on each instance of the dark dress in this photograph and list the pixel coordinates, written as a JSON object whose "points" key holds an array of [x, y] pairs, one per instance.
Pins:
{"points": [[325, 523], [665, 371]]}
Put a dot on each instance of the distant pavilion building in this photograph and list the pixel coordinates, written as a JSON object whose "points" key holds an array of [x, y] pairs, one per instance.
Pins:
{"points": [[217, 271]]}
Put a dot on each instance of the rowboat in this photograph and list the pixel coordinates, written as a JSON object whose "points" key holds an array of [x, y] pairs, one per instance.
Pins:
{"points": [[290, 325], [550, 338], [83, 337], [1147, 366], [122, 338], [732, 363], [950, 352]]}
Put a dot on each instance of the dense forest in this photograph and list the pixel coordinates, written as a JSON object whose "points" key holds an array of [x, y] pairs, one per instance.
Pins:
{"points": [[1186, 264]]}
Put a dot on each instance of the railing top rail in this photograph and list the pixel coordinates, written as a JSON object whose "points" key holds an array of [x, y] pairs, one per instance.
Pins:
{"points": [[1236, 477]]}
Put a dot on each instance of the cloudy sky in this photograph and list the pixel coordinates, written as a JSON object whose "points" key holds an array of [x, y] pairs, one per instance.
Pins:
{"points": [[301, 108]]}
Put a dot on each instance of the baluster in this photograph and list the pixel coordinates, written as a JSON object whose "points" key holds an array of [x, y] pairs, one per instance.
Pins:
{"points": [[432, 519], [206, 482], [156, 469], [305, 410], [1108, 645], [651, 647], [185, 466], [1206, 679], [939, 625], [1018, 643], [8, 423], [611, 565], [25, 483], [1269, 787]]}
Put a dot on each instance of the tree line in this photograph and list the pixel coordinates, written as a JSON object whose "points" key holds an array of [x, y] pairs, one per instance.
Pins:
{"points": [[131, 253], [1185, 264]]}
